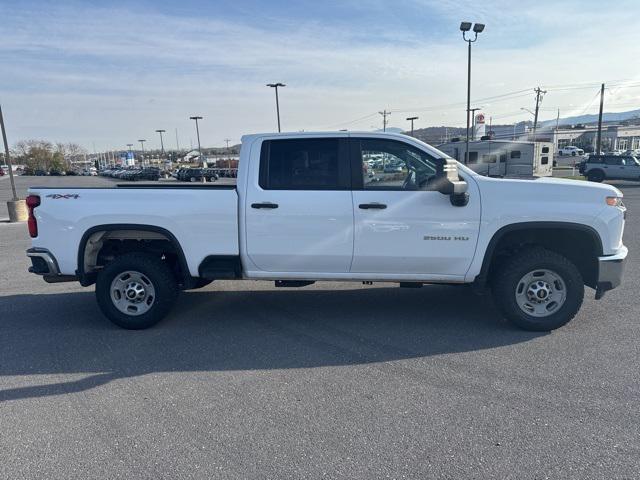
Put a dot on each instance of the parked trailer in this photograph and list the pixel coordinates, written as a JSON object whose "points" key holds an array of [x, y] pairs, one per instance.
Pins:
{"points": [[504, 158]]}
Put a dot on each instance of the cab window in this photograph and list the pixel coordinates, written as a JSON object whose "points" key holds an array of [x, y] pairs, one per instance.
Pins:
{"points": [[394, 165]]}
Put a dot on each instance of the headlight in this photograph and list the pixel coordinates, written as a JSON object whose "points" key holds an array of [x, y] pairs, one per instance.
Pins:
{"points": [[614, 201]]}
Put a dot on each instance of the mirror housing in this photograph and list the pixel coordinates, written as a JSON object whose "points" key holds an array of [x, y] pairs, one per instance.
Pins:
{"points": [[451, 184]]}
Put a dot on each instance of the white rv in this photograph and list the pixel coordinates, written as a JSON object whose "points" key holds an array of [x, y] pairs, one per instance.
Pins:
{"points": [[504, 158]]}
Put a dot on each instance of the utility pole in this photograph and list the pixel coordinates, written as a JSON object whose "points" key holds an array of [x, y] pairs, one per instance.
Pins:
{"points": [[599, 141], [177, 142], [539, 94], [411, 119], [227, 140], [384, 114]]}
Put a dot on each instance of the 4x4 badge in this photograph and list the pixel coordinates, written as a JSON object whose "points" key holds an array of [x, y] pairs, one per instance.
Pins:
{"points": [[66, 196]]}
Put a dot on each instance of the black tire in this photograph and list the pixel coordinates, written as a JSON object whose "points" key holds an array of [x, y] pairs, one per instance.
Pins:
{"points": [[156, 271], [508, 277], [595, 176]]}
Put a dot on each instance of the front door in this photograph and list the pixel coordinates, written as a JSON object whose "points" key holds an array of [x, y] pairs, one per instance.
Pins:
{"points": [[298, 213], [403, 226]]}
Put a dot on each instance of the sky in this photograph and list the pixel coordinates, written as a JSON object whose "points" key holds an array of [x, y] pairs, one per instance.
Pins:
{"points": [[105, 74]]}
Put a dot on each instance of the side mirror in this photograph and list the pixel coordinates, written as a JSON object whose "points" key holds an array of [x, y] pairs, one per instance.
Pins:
{"points": [[450, 184]]}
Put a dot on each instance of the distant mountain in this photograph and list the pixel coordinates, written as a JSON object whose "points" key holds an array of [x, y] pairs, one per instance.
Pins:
{"points": [[391, 130], [593, 118]]}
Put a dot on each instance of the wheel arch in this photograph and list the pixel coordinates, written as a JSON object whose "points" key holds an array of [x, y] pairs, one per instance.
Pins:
{"points": [[87, 276], [585, 239]]}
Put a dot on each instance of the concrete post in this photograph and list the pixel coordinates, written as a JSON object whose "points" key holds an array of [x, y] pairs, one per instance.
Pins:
{"points": [[17, 210]]}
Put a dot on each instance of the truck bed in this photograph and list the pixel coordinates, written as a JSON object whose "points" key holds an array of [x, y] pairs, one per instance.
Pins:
{"points": [[202, 218]]}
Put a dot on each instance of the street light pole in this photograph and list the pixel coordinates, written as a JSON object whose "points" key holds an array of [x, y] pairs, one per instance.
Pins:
{"points": [[142, 145], [411, 119], [464, 28], [196, 118], [276, 85], [161, 141]]}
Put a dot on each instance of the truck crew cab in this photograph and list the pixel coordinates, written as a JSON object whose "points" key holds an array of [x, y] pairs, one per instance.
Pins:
{"points": [[372, 207]]}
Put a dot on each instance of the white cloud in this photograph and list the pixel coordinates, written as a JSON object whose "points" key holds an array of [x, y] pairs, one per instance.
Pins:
{"points": [[110, 76]]}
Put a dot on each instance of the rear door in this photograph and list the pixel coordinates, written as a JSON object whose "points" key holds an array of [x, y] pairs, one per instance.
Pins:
{"points": [[403, 226], [298, 209]]}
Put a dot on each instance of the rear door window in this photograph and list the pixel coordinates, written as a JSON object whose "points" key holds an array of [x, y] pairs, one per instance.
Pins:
{"points": [[304, 164]]}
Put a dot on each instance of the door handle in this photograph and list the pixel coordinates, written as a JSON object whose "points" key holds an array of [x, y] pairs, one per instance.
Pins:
{"points": [[375, 205], [264, 205]]}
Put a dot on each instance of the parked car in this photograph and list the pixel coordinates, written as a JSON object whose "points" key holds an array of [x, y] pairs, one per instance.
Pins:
{"points": [[570, 150], [303, 210], [197, 175], [610, 167]]}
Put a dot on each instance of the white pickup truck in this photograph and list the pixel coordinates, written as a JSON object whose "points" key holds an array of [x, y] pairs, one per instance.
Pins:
{"points": [[366, 207]]}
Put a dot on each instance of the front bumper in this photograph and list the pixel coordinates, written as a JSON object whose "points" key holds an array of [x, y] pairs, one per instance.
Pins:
{"points": [[610, 270]]}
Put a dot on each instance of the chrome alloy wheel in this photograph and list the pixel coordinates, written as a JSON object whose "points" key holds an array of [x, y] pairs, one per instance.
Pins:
{"points": [[132, 293], [541, 293]]}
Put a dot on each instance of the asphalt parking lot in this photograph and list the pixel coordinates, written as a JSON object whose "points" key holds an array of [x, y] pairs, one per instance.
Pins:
{"points": [[335, 380]]}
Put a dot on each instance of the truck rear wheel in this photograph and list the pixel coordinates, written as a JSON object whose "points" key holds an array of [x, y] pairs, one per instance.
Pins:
{"points": [[136, 290], [538, 290]]}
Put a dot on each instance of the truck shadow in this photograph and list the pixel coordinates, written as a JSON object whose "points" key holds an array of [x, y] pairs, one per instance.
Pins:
{"points": [[241, 330]]}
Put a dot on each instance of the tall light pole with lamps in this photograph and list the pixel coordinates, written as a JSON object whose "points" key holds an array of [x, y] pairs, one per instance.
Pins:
{"points": [[196, 118], [160, 131], [276, 85], [411, 119], [464, 28]]}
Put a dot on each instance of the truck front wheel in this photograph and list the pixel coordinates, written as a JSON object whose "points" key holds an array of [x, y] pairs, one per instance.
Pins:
{"points": [[538, 289], [136, 290]]}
